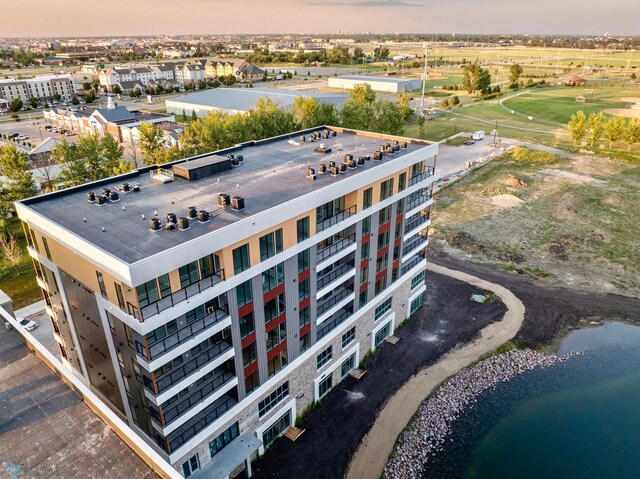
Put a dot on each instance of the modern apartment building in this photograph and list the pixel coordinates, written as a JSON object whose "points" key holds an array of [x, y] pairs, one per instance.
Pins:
{"points": [[213, 299], [44, 87]]}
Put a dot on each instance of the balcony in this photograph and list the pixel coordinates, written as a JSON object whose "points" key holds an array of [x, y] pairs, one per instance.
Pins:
{"points": [[171, 413], [335, 248], [415, 223], [331, 276], [330, 324], [413, 244], [172, 377], [196, 424], [415, 202], [337, 296], [421, 176], [172, 299], [324, 223], [165, 345], [411, 263]]}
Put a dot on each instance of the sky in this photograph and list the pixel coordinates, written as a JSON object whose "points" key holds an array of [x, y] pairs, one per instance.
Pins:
{"points": [[34, 18]]}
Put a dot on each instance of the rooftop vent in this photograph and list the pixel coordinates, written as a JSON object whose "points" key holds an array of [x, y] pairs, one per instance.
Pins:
{"points": [[325, 134], [136, 188], [203, 216], [183, 223], [237, 203], [171, 218], [360, 160], [322, 149], [124, 187], [154, 224], [113, 196], [322, 168], [240, 158], [332, 164], [303, 138], [348, 158], [106, 191], [311, 174], [381, 148], [377, 155], [91, 197], [192, 212], [333, 134], [101, 200], [224, 200], [235, 163], [334, 171], [343, 168], [367, 157], [403, 145]]}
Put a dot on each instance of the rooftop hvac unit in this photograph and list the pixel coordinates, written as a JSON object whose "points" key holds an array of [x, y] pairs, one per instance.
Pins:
{"points": [[325, 135], [106, 191], [351, 164], [332, 164], [334, 171], [367, 157], [322, 168], [113, 196], [170, 226], [303, 138], [124, 187], [381, 148], [235, 163], [377, 155], [154, 224], [171, 218], [322, 148], [389, 149], [333, 134], [230, 156], [343, 168], [91, 197], [183, 223], [348, 158], [237, 203], [192, 212], [101, 200], [224, 200], [203, 216], [403, 145], [240, 158], [360, 160], [136, 189], [311, 174]]}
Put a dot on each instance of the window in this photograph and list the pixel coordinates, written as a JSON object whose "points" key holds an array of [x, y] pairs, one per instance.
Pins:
{"points": [[103, 289], [383, 240], [396, 252], [224, 439], [324, 357], [329, 209], [384, 215], [206, 266], [400, 207], [305, 316], [244, 294], [381, 334], [382, 262], [364, 251], [362, 300], [247, 325], [276, 336], [305, 342], [417, 168], [273, 277], [190, 466], [416, 304], [303, 289], [398, 231], [417, 280], [386, 189], [348, 337], [188, 274], [274, 307], [272, 400], [402, 182], [395, 273], [325, 386], [366, 225], [380, 285], [364, 275], [383, 308], [347, 365], [241, 260], [278, 362], [120, 295], [46, 247], [34, 240], [270, 244], [274, 431], [249, 354], [367, 198], [161, 332], [302, 227], [251, 382], [303, 260]]}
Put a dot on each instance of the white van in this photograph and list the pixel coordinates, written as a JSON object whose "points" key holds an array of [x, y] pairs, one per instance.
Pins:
{"points": [[478, 135]]}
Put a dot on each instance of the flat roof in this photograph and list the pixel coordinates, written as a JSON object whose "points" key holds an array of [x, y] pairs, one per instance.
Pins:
{"points": [[273, 172], [365, 79], [244, 99]]}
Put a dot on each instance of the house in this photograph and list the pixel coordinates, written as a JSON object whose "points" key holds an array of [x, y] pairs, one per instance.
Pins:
{"points": [[574, 80]]}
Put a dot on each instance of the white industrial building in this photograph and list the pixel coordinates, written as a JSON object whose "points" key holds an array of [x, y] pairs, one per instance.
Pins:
{"points": [[385, 84], [240, 100]]}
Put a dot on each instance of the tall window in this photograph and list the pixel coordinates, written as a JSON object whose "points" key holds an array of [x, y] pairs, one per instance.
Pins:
{"points": [[364, 251], [364, 275], [164, 285], [302, 226], [305, 316], [224, 439], [384, 215], [324, 357], [325, 386], [416, 304], [329, 209], [303, 289], [147, 293], [347, 365], [276, 336], [273, 277], [383, 308], [303, 260], [273, 399], [247, 325], [243, 291], [386, 189], [249, 354], [190, 466], [366, 225], [305, 342], [348, 337], [46, 247], [188, 274], [382, 262], [103, 289], [417, 168], [241, 260], [367, 198], [274, 308], [383, 240], [402, 182], [120, 296], [270, 244]]}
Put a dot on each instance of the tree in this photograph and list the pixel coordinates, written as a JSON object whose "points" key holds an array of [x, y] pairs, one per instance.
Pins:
{"points": [[632, 132], [475, 78], [596, 127], [194, 116], [74, 100], [358, 55], [57, 97], [421, 122], [151, 137], [86, 85], [16, 105], [18, 182], [613, 129], [72, 166], [117, 90], [514, 73], [309, 113], [403, 103], [11, 249], [202, 85], [577, 126], [388, 118], [90, 97], [137, 93], [455, 101], [112, 154], [33, 102]]}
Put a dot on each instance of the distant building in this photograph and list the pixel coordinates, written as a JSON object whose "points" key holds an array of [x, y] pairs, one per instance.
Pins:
{"points": [[384, 84], [240, 100], [44, 87], [573, 80], [241, 69]]}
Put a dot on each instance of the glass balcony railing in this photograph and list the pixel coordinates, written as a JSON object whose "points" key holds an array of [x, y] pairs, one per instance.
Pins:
{"points": [[335, 247], [333, 322], [413, 243], [324, 223], [415, 222], [336, 296], [331, 276], [411, 263], [420, 176]]}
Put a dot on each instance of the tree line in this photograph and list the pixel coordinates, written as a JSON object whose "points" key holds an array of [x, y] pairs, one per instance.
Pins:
{"points": [[596, 126]]}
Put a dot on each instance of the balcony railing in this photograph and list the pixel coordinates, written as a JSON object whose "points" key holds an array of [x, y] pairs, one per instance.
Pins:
{"points": [[201, 420], [415, 222], [172, 299], [412, 203], [176, 374], [173, 412], [411, 263], [335, 248], [335, 274], [335, 298], [330, 324], [413, 244], [189, 331], [323, 224], [420, 176]]}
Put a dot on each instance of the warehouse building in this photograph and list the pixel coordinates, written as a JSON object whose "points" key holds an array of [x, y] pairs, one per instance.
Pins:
{"points": [[383, 84], [208, 302]]}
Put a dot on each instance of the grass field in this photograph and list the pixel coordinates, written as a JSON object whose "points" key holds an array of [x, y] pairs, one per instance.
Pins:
{"points": [[21, 287], [565, 220]]}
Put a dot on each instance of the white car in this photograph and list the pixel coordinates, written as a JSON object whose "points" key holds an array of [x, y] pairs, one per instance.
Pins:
{"points": [[22, 137], [27, 324]]}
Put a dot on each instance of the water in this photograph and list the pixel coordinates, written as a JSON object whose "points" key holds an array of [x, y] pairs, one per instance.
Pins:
{"points": [[579, 419]]}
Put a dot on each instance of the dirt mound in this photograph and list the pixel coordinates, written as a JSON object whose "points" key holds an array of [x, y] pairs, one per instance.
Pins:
{"points": [[565, 209], [513, 181], [506, 201], [562, 246], [468, 243], [613, 200]]}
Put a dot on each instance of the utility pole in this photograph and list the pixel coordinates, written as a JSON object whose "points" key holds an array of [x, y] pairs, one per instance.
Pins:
{"points": [[424, 77], [495, 133]]}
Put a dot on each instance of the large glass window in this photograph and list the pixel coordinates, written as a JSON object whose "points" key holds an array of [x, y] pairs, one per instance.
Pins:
{"points": [[103, 288], [241, 260], [362, 300], [273, 277], [305, 342], [367, 198], [364, 275], [417, 280], [325, 386], [247, 325], [302, 226], [274, 307], [383, 308], [190, 466], [364, 251], [324, 357], [224, 439], [383, 239], [304, 289], [188, 274], [276, 363], [305, 316], [46, 247], [270, 244], [303, 260], [164, 285], [274, 431], [384, 215], [244, 293], [382, 262], [147, 293], [120, 296], [402, 182], [381, 334], [348, 337], [416, 304], [251, 382], [273, 399], [347, 365], [276, 336], [386, 189], [249, 354]]}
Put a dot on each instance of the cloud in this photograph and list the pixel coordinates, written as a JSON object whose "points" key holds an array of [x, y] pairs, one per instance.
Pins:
{"points": [[367, 3]]}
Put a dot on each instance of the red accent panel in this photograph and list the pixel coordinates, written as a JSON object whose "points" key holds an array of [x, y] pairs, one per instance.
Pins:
{"points": [[397, 242], [364, 263], [364, 287], [246, 309], [365, 238], [384, 227], [382, 251], [252, 368], [381, 274], [248, 340], [269, 295], [304, 303], [275, 322], [305, 330], [396, 263], [304, 275], [399, 219], [278, 349]]}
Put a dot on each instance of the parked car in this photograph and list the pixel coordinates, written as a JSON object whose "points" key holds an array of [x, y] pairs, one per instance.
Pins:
{"points": [[27, 324], [22, 137], [55, 129], [48, 127], [469, 142], [13, 135], [69, 133]]}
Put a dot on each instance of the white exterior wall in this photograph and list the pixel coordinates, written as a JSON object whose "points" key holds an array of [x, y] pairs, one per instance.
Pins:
{"points": [[382, 86]]}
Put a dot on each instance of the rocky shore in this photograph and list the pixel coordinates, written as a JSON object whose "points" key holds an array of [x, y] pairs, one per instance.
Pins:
{"points": [[430, 427]]}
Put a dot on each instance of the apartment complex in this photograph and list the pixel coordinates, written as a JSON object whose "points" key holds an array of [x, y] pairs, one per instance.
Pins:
{"points": [[44, 87], [213, 299]]}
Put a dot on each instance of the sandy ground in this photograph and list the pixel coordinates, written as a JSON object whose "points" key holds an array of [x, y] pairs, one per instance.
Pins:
{"points": [[506, 201], [371, 456], [625, 112]]}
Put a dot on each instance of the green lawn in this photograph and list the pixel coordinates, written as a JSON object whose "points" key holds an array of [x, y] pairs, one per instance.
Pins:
{"points": [[20, 285]]}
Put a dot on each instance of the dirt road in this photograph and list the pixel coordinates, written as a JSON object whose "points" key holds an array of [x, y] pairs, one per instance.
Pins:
{"points": [[371, 456]]}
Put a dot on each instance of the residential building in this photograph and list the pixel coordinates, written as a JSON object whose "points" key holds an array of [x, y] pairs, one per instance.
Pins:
{"points": [[241, 69], [208, 302], [44, 87]]}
